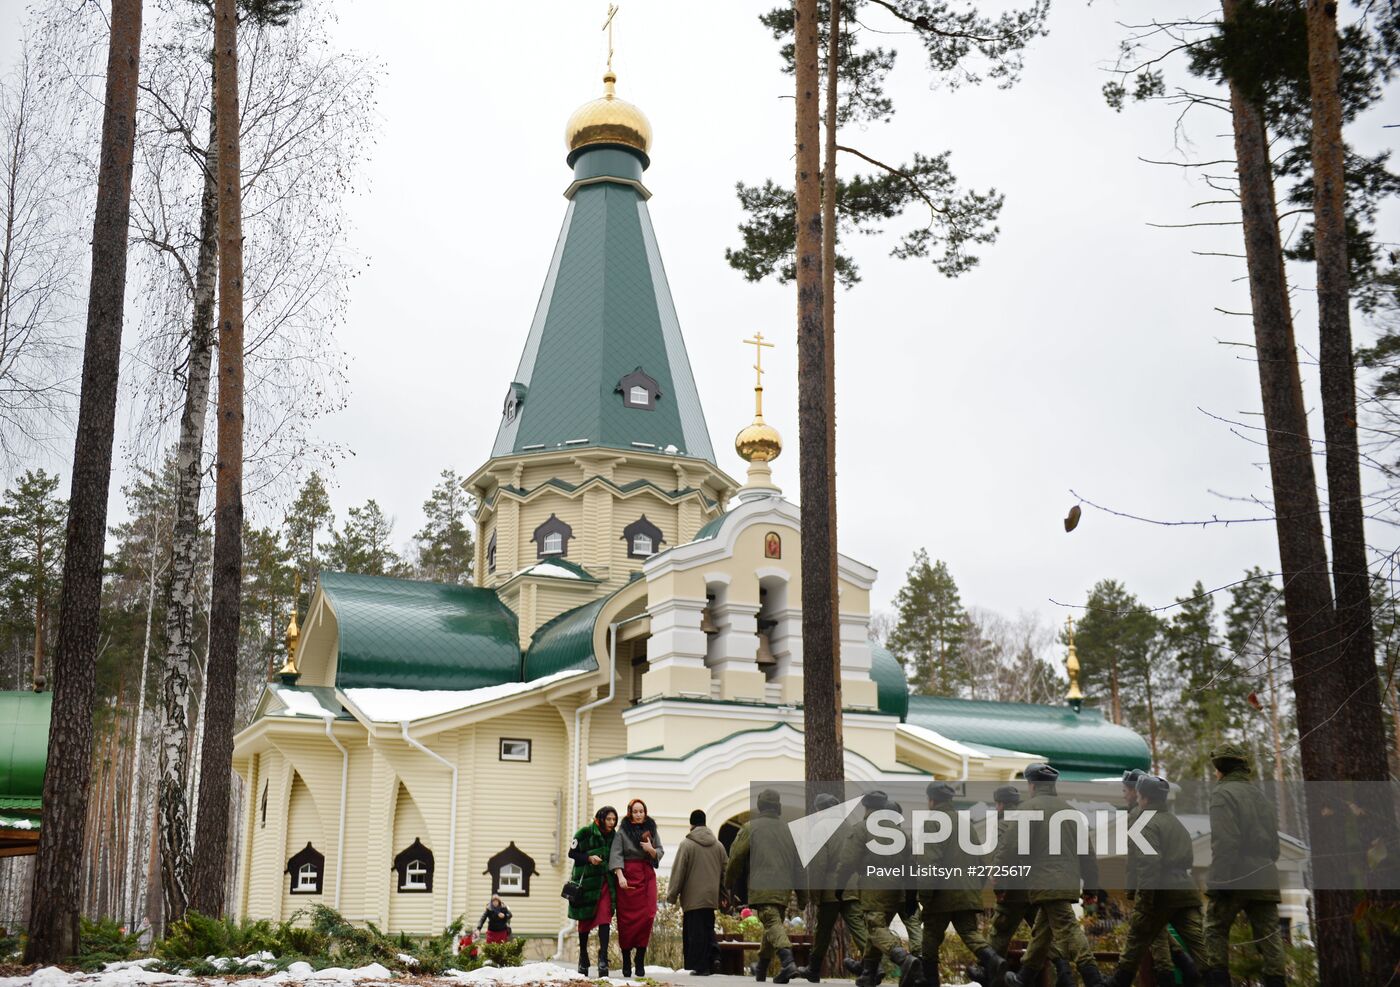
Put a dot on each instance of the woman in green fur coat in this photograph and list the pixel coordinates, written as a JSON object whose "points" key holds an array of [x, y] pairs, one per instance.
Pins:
{"points": [[598, 888]]}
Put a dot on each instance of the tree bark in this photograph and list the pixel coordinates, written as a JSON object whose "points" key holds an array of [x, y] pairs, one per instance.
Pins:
{"points": [[1307, 591], [133, 812], [1361, 733], [56, 906], [174, 753], [820, 619], [221, 680]]}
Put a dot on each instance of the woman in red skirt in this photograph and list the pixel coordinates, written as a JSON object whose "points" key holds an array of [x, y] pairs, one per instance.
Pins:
{"points": [[635, 854], [590, 851]]}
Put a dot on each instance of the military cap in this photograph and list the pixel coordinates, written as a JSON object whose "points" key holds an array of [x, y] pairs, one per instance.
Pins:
{"points": [[1007, 795], [875, 800], [940, 791], [1152, 788], [1040, 772], [825, 800], [1229, 752], [769, 799], [1130, 778]]}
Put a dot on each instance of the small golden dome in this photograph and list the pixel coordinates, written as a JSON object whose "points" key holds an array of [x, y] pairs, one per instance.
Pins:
{"points": [[758, 442], [608, 120]]}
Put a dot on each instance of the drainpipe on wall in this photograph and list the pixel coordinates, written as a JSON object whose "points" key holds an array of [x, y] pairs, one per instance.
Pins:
{"points": [[576, 769], [451, 819], [340, 840]]}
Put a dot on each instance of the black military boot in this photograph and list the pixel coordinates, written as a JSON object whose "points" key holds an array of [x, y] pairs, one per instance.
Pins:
{"points": [[1023, 978], [869, 972], [1090, 973], [852, 966], [1190, 973], [1275, 980], [1125, 978], [641, 961], [787, 967], [976, 974], [583, 953], [603, 933], [1064, 973], [759, 968], [812, 972], [911, 968], [990, 963]]}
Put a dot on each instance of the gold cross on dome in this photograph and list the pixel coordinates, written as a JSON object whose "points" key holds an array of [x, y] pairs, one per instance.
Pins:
{"points": [[608, 26], [758, 343], [1069, 627]]}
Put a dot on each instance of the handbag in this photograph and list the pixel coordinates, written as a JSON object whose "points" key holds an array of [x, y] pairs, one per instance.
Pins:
{"points": [[572, 892]]}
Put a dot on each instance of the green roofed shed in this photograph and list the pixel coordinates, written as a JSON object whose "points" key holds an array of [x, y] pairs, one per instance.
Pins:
{"points": [[24, 747], [1083, 743], [408, 634]]}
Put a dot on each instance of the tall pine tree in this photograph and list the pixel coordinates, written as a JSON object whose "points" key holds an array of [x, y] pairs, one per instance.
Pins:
{"points": [[931, 629]]}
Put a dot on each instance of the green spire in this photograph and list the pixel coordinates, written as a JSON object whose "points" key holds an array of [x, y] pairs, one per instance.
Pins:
{"points": [[605, 363]]}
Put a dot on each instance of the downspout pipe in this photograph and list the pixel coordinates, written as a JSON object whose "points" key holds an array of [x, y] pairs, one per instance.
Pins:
{"points": [[575, 769], [451, 818], [344, 782]]}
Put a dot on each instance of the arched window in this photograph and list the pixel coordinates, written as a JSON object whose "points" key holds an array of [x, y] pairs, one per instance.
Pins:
{"points": [[307, 878], [640, 395], [415, 876], [307, 868], [643, 538], [511, 870], [491, 552], [512, 880], [552, 538]]}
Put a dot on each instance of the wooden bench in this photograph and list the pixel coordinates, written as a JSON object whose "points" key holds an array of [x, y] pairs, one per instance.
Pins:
{"points": [[734, 962]]}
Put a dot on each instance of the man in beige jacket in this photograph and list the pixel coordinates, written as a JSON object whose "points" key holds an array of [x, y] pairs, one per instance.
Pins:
{"points": [[695, 880]]}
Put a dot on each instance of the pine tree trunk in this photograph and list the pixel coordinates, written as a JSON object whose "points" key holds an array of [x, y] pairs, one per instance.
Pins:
{"points": [[55, 911], [174, 757], [1307, 590], [39, 591], [1361, 732], [820, 634], [221, 678]]}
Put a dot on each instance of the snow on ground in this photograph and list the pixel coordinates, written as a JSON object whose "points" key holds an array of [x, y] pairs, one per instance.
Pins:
{"points": [[135, 974]]}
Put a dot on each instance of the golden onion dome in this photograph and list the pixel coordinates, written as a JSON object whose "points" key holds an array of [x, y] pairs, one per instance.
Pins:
{"points": [[758, 442], [608, 120]]}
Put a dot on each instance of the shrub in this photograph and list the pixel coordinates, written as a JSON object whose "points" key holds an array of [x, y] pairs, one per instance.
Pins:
{"points": [[106, 941], [507, 953]]}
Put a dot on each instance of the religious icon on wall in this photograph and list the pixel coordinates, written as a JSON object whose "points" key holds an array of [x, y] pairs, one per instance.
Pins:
{"points": [[772, 546]]}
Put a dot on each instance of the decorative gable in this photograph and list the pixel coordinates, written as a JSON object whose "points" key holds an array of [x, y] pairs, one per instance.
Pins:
{"points": [[307, 868], [510, 871], [552, 538], [643, 538], [515, 397], [639, 390], [414, 865]]}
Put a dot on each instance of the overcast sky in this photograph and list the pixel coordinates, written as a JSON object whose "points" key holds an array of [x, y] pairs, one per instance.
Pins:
{"points": [[1084, 353]]}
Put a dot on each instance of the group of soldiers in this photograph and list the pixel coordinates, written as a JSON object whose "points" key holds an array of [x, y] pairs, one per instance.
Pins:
{"points": [[1038, 887]]}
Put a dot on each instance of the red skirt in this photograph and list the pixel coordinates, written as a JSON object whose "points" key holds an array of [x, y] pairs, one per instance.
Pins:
{"points": [[501, 936], [603, 914], [636, 907]]}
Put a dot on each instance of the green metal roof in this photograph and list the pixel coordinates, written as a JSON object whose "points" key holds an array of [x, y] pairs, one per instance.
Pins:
{"points": [[605, 310], [24, 747], [890, 683], [571, 570], [564, 643], [1072, 742], [408, 634]]}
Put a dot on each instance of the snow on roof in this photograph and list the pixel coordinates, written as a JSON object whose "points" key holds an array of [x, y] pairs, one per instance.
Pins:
{"points": [[299, 702], [550, 569], [930, 736], [397, 705]]}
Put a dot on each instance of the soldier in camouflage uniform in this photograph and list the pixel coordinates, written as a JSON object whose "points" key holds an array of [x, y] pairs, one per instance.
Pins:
{"points": [[1013, 900], [1242, 876], [1056, 879], [880, 900], [1161, 945], [835, 894], [1166, 891], [764, 851], [956, 895]]}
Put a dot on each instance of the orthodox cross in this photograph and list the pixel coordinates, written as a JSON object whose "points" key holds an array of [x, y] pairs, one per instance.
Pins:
{"points": [[1069, 629], [608, 26], [758, 343]]}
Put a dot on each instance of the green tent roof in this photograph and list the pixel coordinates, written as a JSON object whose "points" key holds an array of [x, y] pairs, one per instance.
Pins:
{"points": [[408, 634], [1075, 742], [605, 312], [564, 643], [891, 686], [24, 747]]}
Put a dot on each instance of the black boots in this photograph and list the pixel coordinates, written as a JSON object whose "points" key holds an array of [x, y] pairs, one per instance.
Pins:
{"points": [[759, 968], [1023, 978], [990, 962], [583, 953], [869, 971], [1064, 973], [911, 968], [603, 933], [787, 967], [1090, 973], [852, 966], [812, 972], [641, 961], [627, 963]]}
